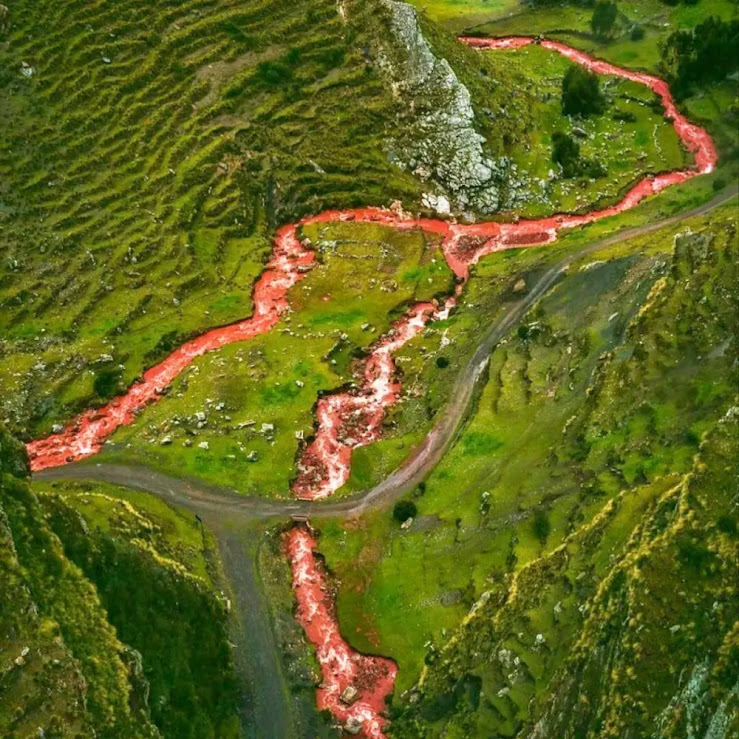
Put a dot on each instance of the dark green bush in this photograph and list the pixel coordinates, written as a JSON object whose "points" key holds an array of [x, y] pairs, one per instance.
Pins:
{"points": [[581, 93], [403, 510], [541, 524], [106, 383], [566, 152]]}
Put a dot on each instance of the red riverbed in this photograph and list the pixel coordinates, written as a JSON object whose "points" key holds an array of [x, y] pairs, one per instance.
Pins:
{"points": [[371, 677], [350, 419]]}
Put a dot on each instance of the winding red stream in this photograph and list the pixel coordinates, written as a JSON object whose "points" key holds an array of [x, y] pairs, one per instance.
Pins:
{"points": [[350, 419]]}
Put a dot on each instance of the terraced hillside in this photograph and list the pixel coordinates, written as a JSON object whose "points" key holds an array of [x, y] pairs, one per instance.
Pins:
{"points": [[149, 153]]}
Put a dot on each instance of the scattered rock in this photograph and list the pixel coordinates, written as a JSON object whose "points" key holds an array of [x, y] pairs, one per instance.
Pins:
{"points": [[203, 445], [349, 695], [439, 203], [353, 726], [520, 286], [253, 456], [27, 70]]}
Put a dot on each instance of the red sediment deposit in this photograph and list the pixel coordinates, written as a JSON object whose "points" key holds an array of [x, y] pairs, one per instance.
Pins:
{"points": [[354, 418]]}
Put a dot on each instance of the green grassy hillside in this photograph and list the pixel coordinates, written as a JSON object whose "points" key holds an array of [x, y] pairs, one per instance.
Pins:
{"points": [[112, 622], [149, 151], [593, 411], [156, 573], [146, 161], [257, 399], [64, 671]]}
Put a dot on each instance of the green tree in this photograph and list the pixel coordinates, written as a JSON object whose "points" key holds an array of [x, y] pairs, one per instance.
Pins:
{"points": [[704, 54], [581, 93], [566, 152], [542, 526], [604, 18]]}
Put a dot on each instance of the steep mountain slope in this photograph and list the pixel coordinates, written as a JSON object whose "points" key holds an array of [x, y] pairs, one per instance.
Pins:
{"points": [[64, 671], [111, 624], [586, 430]]}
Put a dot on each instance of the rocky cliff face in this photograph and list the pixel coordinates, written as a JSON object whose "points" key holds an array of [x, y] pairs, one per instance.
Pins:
{"points": [[440, 143]]}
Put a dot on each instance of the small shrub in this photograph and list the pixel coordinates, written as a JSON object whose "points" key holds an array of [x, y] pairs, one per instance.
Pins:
{"points": [[106, 383], [403, 510], [273, 73], [581, 93], [595, 169], [636, 33], [604, 18], [693, 553], [442, 362], [541, 524], [625, 116], [726, 524], [566, 152]]}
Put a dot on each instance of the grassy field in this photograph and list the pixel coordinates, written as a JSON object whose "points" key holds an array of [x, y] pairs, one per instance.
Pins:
{"points": [[257, 399], [457, 15], [536, 464], [714, 106], [572, 25], [626, 150]]}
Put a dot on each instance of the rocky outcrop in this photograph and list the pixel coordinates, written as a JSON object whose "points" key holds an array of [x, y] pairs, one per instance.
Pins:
{"points": [[438, 142]]}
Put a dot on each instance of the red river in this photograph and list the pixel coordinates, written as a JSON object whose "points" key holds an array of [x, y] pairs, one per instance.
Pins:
{"points": [[350, 419]]}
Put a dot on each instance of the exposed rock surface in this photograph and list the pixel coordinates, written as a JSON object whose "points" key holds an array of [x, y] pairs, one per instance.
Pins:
{"points": [[441, 144]]}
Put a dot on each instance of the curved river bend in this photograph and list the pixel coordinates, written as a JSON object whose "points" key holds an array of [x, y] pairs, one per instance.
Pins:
{"points": [[350, 419]]}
